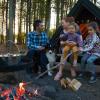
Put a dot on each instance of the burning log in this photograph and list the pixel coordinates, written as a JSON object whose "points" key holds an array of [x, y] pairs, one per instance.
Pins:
{"points": [[18, 93], [21, 89], [27, 91]]}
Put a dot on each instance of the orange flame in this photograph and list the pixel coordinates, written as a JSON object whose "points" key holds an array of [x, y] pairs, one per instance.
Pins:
{"points": [[21, 89]]}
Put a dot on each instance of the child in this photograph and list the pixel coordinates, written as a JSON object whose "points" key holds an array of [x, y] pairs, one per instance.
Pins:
{"points": [[91, 49], [73, 43]]}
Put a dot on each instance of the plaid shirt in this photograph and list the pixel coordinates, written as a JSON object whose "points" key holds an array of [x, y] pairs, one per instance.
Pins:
{"points": [[34, 40]]}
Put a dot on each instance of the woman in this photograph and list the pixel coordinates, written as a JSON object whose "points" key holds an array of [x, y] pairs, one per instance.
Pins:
{"points": [[73, 36], [62, 30]]}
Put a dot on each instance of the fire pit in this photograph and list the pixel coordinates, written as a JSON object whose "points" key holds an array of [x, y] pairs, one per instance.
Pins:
{"points": [[16, 63], [17, 93], [22, 92]]}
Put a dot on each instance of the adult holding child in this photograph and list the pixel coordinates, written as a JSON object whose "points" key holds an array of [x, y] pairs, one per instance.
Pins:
{"points": [[70, 42], [60, 32]]}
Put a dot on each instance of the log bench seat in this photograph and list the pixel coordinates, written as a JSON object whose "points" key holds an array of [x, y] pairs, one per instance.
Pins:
{"points": [[96, 62], [22, 65]]}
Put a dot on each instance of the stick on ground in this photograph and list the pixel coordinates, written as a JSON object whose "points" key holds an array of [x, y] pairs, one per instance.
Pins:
{"points": [[62, 62]]}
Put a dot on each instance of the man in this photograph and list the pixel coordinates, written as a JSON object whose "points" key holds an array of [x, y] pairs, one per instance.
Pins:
{"points": [[36, 43]]}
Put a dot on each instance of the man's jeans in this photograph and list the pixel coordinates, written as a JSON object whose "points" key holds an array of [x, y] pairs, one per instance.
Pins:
{"points": [[88, 60], [41, 57]]}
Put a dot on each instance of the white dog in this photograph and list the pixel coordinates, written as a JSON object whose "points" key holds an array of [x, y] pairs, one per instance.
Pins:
{"points": [[52, 59]]}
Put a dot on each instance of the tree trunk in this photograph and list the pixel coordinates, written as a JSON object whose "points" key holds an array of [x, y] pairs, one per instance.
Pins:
{"points": [[62, 8], [14, 7], [30, 14], [3, 10], [48, 14], [11, 23], [11, 19], [27, 19], [34, 7], [7, 20], [19, 40], [57, 10]]}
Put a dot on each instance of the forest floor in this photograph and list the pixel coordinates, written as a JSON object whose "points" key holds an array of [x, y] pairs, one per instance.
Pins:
{"points": [[15, 48], [86, 92], [56, 92]]}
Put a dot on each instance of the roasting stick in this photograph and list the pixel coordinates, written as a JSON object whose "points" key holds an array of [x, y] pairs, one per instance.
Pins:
{"points": [[30, 82], [42, 74]]}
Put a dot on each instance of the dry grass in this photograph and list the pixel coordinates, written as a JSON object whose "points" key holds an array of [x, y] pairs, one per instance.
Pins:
{"points": [[5, 49]]}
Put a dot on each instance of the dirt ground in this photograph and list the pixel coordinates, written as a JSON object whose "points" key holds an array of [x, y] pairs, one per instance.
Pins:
{"points": [[86, 92]]}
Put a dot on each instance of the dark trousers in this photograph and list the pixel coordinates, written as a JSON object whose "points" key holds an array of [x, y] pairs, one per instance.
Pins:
{"points": [[89, 60], [39, 58]]}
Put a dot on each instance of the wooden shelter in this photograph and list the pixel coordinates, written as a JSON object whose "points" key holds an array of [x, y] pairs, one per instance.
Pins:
{"points": [[84, 12]]}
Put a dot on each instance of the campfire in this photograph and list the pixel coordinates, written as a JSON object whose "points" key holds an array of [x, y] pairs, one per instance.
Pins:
{"points": [[18, 93]]}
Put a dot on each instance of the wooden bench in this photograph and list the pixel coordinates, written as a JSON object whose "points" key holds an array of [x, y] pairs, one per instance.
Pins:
{"points": [[22, 65], [96, 62]]}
